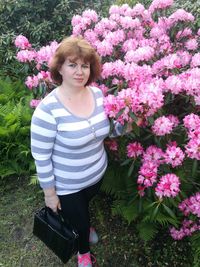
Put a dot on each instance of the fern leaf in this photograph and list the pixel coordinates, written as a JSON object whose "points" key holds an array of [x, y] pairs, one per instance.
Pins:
{"points": [[195, 241], [147, 230]]}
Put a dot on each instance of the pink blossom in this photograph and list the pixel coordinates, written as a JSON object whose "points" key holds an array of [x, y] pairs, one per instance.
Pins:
{"points": [[111, 106], [181, 15], [191, 44], [45, 53], [140, 54], [32, 82], [115, 37], [157, 31], [197, 100], [76, 19], [187, 32], [26, 55], [141, 189], [114, 10], [191, 205], [168, 186], [112, 145], [151, 95], [104, 48], [44, 75], [192, 148], [160, 4], [117, 81], [198, 32], [138, 10], [125, 10], [90, 36], [34, 103], [22, 42], [134, 150], [191, 121], [129, 23], [91, 14], [130, 44], [77, 30], [195, 60], [174, 84], [139, 74], [187, 229], [112, 69], [153, 154], [174, 120], [169, 62], [174, 155], [104, 24], [162, 126], [147, 174]]}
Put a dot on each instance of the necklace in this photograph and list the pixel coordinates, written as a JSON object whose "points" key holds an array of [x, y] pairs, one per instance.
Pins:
{"points": [[92, 129]]}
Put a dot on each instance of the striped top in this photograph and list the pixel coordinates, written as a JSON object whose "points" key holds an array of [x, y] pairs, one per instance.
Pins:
{"points": [[68, 150]]}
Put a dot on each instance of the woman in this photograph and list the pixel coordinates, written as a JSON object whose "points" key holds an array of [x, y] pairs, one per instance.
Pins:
{"points": [[67, 133]]}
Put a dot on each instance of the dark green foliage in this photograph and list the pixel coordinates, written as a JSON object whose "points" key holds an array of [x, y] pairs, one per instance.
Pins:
{"points": [[40, 21], [15, 116], [191, 6]]}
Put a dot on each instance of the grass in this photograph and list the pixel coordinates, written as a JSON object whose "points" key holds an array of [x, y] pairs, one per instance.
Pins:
{"points": [[119, 244]]}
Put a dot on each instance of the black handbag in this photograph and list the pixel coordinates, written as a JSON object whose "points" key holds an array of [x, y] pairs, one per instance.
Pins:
{"points": [[60, 237]]}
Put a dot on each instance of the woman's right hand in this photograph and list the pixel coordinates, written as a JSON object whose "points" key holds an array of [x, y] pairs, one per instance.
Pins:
{"points": [[52, 200]]}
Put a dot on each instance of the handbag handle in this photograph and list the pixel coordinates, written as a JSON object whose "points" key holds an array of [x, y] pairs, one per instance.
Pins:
{"points": [[57, 219]]}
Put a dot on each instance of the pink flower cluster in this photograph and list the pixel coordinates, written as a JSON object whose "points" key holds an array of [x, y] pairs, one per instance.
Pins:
{"points": [[34, 103], [126, 47], [33, 81], [151, 160], [168, 186], [189, 206], [41, 58], [22, 42], [187, 229], [147, 174], [174, 155], [164, 125], [134, 150], [160, 4], [192, 124]]}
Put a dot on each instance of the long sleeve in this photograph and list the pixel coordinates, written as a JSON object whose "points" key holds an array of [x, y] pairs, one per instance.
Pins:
{"points": [[43, 132], [117, 129]]}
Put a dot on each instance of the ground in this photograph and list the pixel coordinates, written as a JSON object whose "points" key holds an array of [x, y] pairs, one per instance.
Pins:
{"points": [[119, 244]]}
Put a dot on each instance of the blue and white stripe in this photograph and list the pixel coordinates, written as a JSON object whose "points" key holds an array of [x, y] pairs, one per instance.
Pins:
{"points": [[68, 150]]}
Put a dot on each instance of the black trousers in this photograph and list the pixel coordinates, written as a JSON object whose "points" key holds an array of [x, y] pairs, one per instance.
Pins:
{"points": [[75, 209]]}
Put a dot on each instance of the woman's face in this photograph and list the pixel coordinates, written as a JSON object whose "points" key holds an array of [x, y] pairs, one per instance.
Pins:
{"points": [[75, 72]]}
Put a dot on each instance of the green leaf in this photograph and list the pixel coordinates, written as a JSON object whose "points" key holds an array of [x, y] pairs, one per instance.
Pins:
{"points": [[119, 113], [155, 212], [147, 230], [136, 129], [169, 211], [133, 116], [126, 162], [194, 168], [130, 171]]}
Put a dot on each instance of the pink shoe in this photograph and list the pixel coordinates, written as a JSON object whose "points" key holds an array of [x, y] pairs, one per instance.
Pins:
{"points": [[84, 260], [94, 261], [93, 239]]}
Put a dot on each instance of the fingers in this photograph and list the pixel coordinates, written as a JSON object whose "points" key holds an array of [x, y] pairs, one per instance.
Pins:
{"points": [[59, 206], [53, 202]]}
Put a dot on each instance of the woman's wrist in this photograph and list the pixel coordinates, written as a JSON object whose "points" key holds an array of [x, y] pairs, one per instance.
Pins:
{"points": [[49, 192]]}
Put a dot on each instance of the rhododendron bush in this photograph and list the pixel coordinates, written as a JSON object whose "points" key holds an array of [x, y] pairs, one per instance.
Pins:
{"points": [[150, 78]]}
